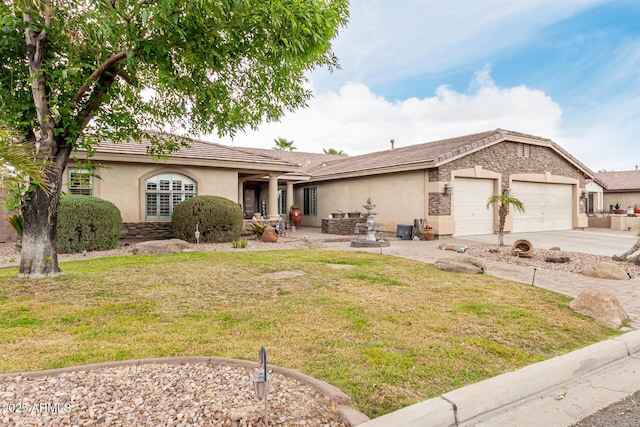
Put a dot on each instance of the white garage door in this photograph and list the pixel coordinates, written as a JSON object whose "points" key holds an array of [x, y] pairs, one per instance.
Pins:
{"points": [[548, 207], [470, 211]]}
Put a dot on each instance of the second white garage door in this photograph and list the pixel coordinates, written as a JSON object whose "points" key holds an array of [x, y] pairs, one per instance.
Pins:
{"points": [[548, 207], [470, 211]]}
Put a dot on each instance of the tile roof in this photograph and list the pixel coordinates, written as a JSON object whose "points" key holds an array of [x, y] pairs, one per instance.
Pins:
{"points": [[620, 181], [202, 150], [301, 158], [325, 166], [430, 154]]}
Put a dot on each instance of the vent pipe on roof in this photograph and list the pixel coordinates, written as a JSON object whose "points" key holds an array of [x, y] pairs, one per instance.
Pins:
{"points": [[393, 143], [636, 167]]}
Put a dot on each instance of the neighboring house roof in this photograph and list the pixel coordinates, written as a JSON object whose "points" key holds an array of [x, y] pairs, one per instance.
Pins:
{"points": [[431, 154], [620, 181]]}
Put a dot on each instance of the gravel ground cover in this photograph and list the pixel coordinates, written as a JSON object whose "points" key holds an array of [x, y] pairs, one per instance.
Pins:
{"points": [[160, 395], [625, 413], [577, 261]]}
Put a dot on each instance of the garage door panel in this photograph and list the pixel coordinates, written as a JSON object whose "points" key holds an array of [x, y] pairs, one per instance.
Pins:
{"points": [[548, 207], [470, 211]]}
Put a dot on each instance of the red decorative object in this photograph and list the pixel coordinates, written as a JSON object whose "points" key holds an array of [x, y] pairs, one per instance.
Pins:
{"points": [[296, 216]]}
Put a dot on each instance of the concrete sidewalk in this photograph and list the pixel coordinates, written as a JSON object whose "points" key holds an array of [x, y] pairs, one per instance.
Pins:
{"points": [[556, 392]]}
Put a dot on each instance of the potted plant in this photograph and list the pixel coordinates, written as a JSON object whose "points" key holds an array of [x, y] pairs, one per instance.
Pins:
{"points": [[428, 233], [636, 209], [258, 229], [295, 215], [354, 214], [617, 210], [338, 214]]}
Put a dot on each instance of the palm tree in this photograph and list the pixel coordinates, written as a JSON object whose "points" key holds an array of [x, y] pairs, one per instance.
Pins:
{"points": [[504, 201], [18, 162], [334, 152], [284, 144]]}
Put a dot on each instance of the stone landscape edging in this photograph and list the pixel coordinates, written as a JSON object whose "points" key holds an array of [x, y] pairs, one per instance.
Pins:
{"points": [[347, 411]]}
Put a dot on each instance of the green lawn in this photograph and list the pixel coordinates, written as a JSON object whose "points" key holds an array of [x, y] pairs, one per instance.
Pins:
{"points": [[389, 332]]}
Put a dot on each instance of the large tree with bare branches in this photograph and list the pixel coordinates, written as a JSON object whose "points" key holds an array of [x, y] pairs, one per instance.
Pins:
{"points": [[74, 72]]}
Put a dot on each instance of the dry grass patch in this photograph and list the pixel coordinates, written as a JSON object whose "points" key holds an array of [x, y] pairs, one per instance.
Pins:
{"points": [[390, 332]]}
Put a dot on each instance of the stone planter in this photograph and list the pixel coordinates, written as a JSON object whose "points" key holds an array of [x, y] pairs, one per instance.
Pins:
{"points": [[354, 214], [338, 215]]}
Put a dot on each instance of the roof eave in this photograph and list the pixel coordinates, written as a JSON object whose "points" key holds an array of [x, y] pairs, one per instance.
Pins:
{"points": [[182, 161], [377, 171]]}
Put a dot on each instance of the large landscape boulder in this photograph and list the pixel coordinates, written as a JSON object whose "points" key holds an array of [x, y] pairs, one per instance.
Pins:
{"points": [[601, 305], [605, 270], [158, 247], [461, 265], [448, 247]]}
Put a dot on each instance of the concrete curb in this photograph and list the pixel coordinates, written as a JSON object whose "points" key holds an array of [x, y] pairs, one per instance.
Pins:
{"points": [[343, 403], [461, 406]]}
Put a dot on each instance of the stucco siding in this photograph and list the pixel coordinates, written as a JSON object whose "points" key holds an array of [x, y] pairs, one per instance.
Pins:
{"points": [[123, 184], [399, 198], [625, 200]]}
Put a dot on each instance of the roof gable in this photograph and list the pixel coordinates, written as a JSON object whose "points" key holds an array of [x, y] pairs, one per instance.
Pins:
{"points": [[431, 154]]}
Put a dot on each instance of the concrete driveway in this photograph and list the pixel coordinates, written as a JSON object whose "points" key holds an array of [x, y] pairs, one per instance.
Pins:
{"points": [[585, 241]]}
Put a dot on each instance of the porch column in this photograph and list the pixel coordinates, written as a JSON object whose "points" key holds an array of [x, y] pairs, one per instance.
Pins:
{"points": [[289, 195], [272, 205], [241, 193]]}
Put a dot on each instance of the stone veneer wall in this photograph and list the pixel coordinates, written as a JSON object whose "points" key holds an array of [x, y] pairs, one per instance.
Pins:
{"points": [[504, 159], [162, 230], [341, 226], [146, 230]]}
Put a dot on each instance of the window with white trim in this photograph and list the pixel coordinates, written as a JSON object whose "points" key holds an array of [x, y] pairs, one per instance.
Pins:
{"points": [[310, 206], [80, 182], [164, 191], [282, 202]]}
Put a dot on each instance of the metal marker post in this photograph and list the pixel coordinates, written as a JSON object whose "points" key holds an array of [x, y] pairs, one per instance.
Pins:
{"points": [[261, 382], [534, 275]]}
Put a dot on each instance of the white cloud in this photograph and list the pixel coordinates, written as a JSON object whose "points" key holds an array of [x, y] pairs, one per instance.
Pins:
{"points": [[356, 120], [387, 41]]}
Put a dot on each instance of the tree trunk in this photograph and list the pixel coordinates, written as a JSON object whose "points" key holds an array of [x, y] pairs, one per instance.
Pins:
{"points": [[39, 257], [502, 213]]}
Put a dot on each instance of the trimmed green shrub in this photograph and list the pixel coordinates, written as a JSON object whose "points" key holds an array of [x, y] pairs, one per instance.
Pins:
{"points": [[87, 223], [218, 219]]}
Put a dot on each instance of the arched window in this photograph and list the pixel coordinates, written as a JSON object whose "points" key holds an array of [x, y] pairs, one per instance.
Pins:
{"points": [[164, 191]]}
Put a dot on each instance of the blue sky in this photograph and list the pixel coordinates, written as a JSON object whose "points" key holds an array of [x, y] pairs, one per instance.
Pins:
{"points": [[417, 71]]}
